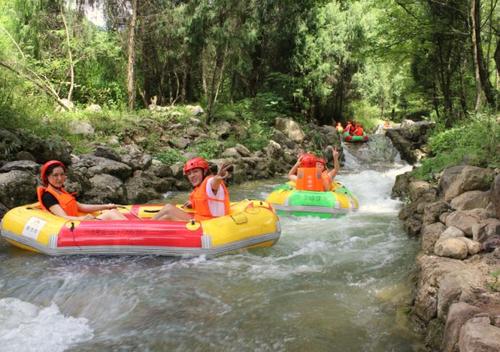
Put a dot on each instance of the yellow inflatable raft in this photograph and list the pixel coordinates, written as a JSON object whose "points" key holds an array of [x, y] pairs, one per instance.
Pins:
{"points": [[251, 223]]}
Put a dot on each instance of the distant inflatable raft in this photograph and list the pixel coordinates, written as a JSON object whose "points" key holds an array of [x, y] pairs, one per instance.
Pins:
{"points": [[250, 224], [289, 201], [354, 139]]}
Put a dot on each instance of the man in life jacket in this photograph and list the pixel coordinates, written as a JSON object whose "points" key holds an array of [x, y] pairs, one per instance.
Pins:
{"points": [[54, 198], [358, 130], [310, 172], [209, 197]]}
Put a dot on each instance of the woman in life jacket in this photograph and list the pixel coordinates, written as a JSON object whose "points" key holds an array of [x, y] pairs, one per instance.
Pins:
{"points": [[310, 172], [358, 130], [54, 198], [209, 197]]}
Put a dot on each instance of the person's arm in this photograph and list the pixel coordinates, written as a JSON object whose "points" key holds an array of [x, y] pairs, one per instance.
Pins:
{"points": [[336, 165], [292, 174], [90, 208], [57, 210]]}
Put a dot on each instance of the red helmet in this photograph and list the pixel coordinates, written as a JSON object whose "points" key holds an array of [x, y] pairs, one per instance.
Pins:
{"points": [[44, 168], [195, 163], [308, 160]]}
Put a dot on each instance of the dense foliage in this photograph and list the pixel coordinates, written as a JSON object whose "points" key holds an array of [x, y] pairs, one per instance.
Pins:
{"points": [[315, 60]]}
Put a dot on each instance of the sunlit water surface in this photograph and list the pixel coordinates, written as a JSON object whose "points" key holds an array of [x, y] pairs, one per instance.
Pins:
{"points": [[327, 285]]}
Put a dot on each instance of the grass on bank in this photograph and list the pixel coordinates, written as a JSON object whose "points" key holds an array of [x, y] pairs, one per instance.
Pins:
{"points": [[115, 127], [474, 142]]}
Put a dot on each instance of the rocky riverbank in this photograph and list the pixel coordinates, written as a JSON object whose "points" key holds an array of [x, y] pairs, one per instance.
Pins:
{"points": [[457, 297], [126, 174]]}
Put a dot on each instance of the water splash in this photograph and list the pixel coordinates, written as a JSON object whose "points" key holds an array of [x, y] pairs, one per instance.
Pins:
{"points": [[26, 327]]}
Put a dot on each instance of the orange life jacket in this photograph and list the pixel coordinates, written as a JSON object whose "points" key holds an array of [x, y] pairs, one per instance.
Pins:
{"points": [[66, 200], [358, 131], [309, 179], [200, 201]]}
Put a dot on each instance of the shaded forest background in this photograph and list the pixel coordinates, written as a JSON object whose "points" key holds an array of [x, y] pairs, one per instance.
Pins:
{"points": [[315, 60]]}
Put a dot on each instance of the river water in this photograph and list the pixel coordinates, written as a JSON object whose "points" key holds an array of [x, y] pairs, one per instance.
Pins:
{"points": [[327, 285]]}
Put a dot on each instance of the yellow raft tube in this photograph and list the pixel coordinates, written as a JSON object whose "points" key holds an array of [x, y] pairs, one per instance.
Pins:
{"points": [[251, 223]]}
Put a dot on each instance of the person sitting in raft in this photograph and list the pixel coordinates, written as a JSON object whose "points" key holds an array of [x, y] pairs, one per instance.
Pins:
{"points": [[327, 176], [209, 197], [55, 199], [358, 130], [304, 160], [349, 127], [310, 172], [339, 128]]}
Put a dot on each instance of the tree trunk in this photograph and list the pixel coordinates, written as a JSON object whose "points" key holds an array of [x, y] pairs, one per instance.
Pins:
{"points": [[131, 57], [497, 62], [70, 59], [482, 80]]}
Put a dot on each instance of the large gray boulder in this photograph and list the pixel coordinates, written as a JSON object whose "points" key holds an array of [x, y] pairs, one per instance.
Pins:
{"points": [[470, 178], [448, 176], [418, 188], [471, 200], [451, 248], [290, 128], [458, 315], [134, 157], [478, 335], [433, 211], [485, 229], [466, 219], [430, 234], [144, 187], [97, 165], [104, 189], [432, 270], [21, 165], [80, 127], [17, 187], [457, 286]]}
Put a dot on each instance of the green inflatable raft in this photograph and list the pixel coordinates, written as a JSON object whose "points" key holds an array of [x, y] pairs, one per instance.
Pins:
{"points": [[334, 203]]}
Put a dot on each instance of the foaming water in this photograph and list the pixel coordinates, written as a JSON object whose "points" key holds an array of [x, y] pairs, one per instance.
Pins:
{"points": [[327, 285], [26, 327]]}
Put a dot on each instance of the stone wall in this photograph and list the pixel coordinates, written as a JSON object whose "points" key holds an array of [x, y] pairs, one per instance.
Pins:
{"points": [[457, 297]]}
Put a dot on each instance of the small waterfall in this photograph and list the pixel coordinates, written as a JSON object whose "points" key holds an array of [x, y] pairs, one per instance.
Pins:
{"points": [[378, 153]]}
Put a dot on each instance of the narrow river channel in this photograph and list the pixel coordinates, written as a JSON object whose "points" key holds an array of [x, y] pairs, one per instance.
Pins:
{"points": [[327, 285]]}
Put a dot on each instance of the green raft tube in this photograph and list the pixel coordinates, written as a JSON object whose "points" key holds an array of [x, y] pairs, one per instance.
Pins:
{"points": [[354, 139], [331, 204]]}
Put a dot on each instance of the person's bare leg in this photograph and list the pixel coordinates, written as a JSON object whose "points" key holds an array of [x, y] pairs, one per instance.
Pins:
{"points": [[171, 212], [112, 214]]}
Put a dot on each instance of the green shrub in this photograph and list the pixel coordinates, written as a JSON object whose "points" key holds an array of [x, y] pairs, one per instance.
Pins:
{"points": [[170, 156], [474, 142], [208, 149]]}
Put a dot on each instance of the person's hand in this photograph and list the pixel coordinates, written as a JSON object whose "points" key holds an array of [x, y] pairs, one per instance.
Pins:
{"points": [[187, 204], [224, 170], [110, 206], [335, 153]]}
